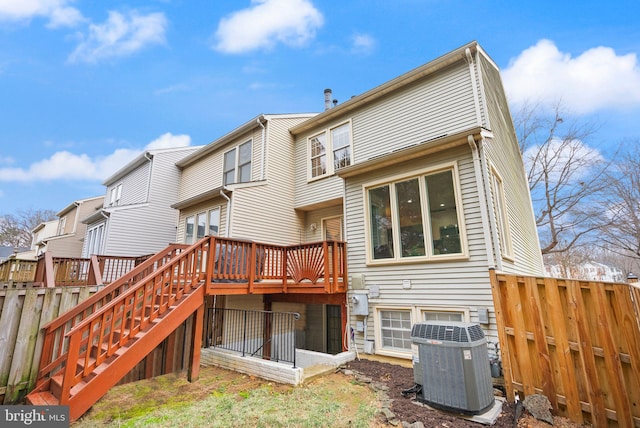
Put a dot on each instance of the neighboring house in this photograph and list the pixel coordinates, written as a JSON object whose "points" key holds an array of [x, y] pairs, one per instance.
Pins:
{"points": [[39, 236], [592, 271], [425, 169], [69, 234], [136, 217]]}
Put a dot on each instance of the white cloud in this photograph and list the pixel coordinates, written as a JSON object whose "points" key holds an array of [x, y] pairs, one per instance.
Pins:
{"points": [[362, 43], [169, 140], [266, 23], [596, 79], [57, 11], [120, 35], [64, 165]]}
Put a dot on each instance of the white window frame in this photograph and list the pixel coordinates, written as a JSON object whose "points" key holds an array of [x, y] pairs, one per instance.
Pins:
{"points": [[391, 351], [501, 215], [62, 223], [416, 315], [187, 239], [236, 164], [95, 239], [216, 209], [330, 151], [426, 219], [324, 226], [201, 218], [115, 195]]}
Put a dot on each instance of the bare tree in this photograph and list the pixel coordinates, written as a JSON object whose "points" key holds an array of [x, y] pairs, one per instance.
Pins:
{"points": [[566, 176], [15, 230], [623, 234]]}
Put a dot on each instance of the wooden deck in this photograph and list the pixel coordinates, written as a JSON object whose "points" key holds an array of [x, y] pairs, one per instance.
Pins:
{"points": [[89, 348]]}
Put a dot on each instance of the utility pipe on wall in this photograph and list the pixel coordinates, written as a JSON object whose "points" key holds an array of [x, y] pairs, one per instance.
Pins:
{"points": [[228, 228]]}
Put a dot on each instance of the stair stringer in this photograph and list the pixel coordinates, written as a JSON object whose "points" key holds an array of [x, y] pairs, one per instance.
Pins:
{"points": [[83, 396]]}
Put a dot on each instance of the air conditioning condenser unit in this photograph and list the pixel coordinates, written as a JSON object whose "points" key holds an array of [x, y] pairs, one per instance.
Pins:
{"points": [[453, 366]]}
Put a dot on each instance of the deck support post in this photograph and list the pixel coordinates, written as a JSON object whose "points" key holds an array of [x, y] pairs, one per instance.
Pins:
{"points": [[196, 344]]}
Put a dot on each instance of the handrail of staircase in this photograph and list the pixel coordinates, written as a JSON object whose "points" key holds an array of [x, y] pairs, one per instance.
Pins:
{"points": [[118, 321], [55, 330]]}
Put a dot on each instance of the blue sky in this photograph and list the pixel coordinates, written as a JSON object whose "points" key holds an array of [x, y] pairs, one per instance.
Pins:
{"points": [[85, 85]]}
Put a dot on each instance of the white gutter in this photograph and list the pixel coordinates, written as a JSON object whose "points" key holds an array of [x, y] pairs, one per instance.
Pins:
{"points": [[228, 228], [263, 149], [493, 261]]}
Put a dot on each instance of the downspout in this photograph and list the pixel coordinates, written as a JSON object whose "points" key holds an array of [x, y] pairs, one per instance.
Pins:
{"points": [[150, 159], [228, 228], [262, 149], [474, 86], [487, 226]]}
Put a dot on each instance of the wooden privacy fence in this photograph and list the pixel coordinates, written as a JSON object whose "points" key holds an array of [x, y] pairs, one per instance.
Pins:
{"points": [[24, 311], [575, 341]]}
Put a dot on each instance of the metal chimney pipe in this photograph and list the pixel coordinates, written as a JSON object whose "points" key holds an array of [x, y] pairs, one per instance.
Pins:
{"points": [[327, 99]]}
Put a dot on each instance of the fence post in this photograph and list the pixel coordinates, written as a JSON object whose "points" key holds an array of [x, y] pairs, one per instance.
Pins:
{"points": [[49, 275], [94, 276]]}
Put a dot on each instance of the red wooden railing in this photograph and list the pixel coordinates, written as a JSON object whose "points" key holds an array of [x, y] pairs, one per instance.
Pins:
{"points": [[75, 271], [302, 267], [95, 329], [100, 336], [55, 344]]}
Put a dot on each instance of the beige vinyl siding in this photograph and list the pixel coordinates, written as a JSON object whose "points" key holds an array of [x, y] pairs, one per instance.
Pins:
{"points": [[202, 207], [439, 105], [207, 173], [70, 244], [458, 284], [316, 218], [264, 212], [503, 153], [435, 106], [314, 192], [66, 246], [135, 186]]}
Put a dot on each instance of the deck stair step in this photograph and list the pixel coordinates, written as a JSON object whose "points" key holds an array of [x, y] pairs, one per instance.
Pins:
{"points": [[92, 386], [42, 398]]}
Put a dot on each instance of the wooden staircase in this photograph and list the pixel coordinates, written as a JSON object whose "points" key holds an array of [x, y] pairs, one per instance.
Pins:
{"points": [[89, 349]]}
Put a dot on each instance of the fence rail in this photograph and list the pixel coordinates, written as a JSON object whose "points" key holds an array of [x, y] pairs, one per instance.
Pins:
{"points": [[266, 334], [577, 342], [23, 312]]}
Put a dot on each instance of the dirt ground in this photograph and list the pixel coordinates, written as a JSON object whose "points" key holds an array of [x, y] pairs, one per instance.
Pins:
{"points": [[398, 378], [368, 393]]}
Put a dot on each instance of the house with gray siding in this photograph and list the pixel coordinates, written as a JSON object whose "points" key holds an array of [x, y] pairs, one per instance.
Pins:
{"points": [[242, 186], [136, 217], [425, 173], [421, 176], [67, 239]]}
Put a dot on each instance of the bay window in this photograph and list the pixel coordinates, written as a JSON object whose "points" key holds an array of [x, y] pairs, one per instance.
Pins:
{"points": [[415, 218]]}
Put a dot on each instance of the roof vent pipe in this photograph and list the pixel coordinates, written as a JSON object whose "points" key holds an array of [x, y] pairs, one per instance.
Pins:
{"points": [[327, 99]]}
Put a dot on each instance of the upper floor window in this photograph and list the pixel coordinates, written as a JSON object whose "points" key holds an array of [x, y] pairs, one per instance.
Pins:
{"points": [[237, 164], [330, 150], [115, 195], [62, 223], [416, 217]]}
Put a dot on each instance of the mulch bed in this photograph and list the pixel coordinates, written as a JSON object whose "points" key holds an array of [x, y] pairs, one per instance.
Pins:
{"points": [[397, 378]]}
